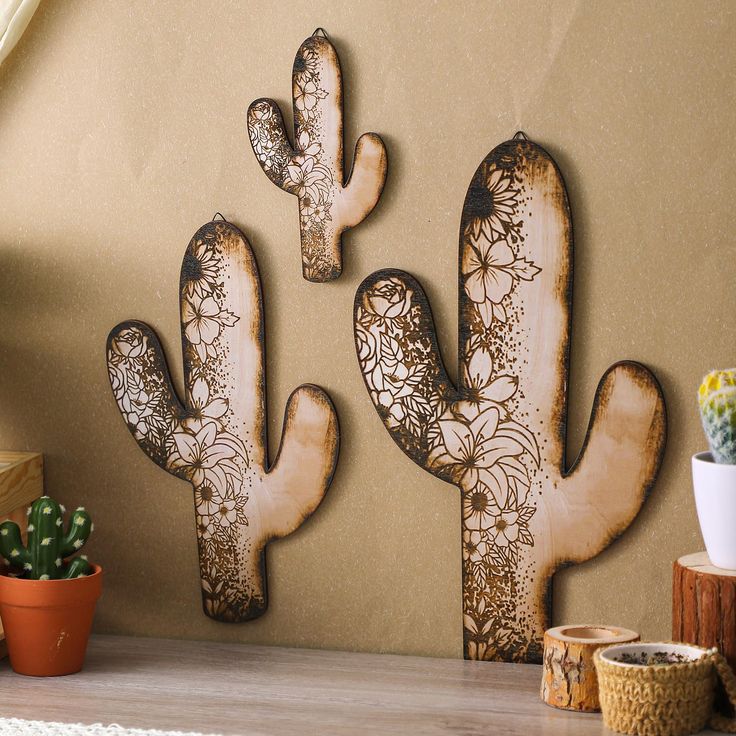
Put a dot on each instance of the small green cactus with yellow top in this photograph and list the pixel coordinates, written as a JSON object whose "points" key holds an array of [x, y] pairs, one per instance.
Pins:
{"points": [[46, 556], [717, 398]]}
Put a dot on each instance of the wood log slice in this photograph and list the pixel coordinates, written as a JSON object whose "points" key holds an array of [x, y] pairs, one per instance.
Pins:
{"points": [[704, 604], [568, 677]]}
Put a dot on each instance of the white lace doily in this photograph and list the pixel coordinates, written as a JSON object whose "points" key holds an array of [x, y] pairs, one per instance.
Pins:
{"points": [[18, 727]]}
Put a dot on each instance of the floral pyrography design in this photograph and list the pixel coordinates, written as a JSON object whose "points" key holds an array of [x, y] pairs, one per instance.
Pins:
{"points": [[499, 436], [216, 438], [313, 168]]}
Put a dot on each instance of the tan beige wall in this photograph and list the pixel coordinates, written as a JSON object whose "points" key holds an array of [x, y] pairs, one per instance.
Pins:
{"points": [[122, 130]]}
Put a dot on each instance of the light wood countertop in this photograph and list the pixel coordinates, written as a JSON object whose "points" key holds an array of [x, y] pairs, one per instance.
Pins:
{"points": [[248, 691]]}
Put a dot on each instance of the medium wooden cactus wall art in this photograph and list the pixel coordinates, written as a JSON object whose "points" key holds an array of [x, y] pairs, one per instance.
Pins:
{"points": [[313, 168], [216, 439], [499, 436]]}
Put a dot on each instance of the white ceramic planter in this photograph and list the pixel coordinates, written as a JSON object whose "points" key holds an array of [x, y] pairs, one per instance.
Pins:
{"points": [[715, 499]]}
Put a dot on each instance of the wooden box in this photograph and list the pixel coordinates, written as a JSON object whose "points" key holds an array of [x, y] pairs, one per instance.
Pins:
{"points": [[21, 482]]}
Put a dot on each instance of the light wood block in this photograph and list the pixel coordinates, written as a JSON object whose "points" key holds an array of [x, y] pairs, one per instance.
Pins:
{"points": [[248, 690], [21, 479]]}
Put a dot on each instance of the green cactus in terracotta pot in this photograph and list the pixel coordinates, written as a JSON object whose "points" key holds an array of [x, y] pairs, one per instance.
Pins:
{"points": [[717, 398], [46, 555]]}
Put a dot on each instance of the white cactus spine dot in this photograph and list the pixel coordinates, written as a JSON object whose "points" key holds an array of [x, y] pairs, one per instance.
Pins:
{"points": [[59, 522], [78, 544], [43, 577], [14, 553], [47, 511], [58, 562], [46, 542], [4, 532], [31, 528]]}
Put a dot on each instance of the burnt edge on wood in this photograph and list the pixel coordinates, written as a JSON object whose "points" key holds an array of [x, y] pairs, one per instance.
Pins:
{"points": [[404, 373], [313, 168], [217, 439]]}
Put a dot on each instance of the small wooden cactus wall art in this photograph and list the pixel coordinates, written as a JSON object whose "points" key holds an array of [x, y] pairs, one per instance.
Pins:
{"points": [[313, 168], [499, 436], [216, 439]]}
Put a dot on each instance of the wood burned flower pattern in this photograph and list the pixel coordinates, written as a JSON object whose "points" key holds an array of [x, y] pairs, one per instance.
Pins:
{"points": [[499, 435], [216, 439], [313, 168], [469, 438], [196, 445]]}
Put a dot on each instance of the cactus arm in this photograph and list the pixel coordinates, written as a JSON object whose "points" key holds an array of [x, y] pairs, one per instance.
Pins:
{"points": [[11, 545], [365, 185], [269, 141], [306, 460], [605, 487], [408, 385], [313, 170], [44, 523], [77, 568], [80, 527], [142, 387]]}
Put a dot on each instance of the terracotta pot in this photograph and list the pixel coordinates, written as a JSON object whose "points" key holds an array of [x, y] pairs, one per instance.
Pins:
{"points": [[47, 622]]}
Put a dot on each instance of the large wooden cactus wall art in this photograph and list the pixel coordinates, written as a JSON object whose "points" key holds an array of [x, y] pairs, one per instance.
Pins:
{"points": [[313, 168], [216, 439], [499, 436]]}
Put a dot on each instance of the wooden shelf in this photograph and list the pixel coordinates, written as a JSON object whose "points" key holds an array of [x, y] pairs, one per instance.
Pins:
{"points": [[246, 690]]}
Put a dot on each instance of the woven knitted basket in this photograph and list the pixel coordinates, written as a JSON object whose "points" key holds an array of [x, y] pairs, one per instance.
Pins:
{"points": [[662, 699]]}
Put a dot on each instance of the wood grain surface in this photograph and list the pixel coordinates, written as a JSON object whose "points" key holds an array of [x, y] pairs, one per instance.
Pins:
{"points": [[246, 690], [704, 604], [313, 169], [216, 437], [21, 479], [569, 678], [498, 433]]}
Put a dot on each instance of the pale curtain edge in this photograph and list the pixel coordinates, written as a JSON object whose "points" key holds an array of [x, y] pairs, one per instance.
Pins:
{"points": [[21, 17]]}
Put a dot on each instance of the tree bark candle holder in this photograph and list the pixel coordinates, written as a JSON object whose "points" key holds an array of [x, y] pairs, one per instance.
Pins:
{"points": [[704, 605], [569, 678]]}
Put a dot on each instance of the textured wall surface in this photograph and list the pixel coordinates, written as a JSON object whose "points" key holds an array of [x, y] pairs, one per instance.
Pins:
{"points": [[122, 130]]}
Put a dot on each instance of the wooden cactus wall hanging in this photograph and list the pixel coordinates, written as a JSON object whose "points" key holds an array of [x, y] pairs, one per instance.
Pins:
{"points": [[216, 439], [499, 436], [313, 168]]}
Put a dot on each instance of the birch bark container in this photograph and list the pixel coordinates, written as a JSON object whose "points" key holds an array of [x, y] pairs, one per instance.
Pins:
{"points": [[569, 678]]}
